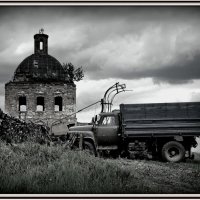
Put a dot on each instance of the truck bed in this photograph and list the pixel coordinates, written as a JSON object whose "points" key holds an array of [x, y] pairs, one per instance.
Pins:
{"points": [[161, 119]]}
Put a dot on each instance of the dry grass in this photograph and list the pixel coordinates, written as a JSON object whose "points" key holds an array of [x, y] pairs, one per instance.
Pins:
{"points": [[34, 168]]}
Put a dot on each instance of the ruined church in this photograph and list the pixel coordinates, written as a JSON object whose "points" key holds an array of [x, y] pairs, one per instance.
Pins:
{"points": [[40, 90]]}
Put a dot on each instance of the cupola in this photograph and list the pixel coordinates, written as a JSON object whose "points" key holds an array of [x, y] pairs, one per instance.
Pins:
{"points": [[41, 43]]}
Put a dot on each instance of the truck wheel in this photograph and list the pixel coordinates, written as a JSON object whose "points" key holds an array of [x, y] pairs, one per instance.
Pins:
{"points": [[173, 152], [89, 148]]}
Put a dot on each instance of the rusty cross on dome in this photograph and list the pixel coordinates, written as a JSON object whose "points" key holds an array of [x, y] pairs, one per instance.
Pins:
{"points": [[41, 31]]}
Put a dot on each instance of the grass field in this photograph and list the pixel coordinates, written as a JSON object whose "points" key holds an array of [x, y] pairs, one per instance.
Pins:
{"points": [[34, 168]]}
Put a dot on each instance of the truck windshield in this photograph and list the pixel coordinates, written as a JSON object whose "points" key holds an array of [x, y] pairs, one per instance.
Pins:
{"points": [[108, 121]]}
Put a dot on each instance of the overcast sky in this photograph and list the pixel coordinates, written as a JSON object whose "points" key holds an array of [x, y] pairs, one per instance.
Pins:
{"points": [[155, 51]]}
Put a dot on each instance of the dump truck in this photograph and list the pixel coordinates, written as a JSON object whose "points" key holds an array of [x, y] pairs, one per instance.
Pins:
{"points": [[164, 131]]}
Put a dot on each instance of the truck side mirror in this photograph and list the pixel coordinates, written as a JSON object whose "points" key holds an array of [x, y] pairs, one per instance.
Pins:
{"points": [[95, 118]]}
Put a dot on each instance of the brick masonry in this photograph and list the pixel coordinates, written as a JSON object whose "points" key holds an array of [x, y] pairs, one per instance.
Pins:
{"points": [[49, 91]]}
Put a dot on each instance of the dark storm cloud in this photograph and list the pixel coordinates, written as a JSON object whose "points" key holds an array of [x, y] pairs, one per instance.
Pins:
{"points": [[185, 70], [182, 71], [109, 42]]}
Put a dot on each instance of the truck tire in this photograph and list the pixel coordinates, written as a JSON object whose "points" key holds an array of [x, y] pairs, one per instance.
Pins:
{"points": [[173, 152], [89, 148]]}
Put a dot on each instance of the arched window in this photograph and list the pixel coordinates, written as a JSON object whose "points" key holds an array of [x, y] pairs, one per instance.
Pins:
{"points": [[40, 104], [58, 104], [41, 45], [22, 104]]}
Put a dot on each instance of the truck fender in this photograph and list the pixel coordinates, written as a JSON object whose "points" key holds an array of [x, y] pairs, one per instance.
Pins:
{"points": [[86, 135], [90, 140], [178, 138]]}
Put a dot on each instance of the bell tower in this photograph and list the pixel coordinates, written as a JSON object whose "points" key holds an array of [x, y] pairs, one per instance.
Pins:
{"points": [[41, 43], [40, 90]]}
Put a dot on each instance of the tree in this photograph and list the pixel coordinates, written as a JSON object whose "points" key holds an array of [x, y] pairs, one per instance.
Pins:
{"points": [[72, 73]]}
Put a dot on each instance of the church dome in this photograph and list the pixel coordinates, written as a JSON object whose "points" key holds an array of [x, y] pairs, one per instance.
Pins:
{"points": [[40, 66]]}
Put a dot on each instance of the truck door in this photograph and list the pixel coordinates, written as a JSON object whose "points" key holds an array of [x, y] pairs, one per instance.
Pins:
{"points": [[107, 131]]}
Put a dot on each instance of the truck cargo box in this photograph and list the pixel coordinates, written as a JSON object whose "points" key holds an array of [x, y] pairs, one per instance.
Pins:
{"points": [[160, 119]]}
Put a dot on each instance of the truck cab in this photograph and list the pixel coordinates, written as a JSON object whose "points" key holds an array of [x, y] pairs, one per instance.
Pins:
{"points": [[103, 135], [107, 131]]}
